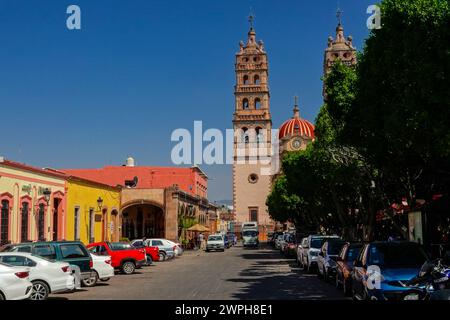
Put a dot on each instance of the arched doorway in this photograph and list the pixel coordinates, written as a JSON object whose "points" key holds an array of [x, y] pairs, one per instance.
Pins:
{"points": [[143, 219]]}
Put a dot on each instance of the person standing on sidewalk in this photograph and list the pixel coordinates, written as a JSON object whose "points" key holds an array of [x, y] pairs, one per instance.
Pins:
{"points": [[201, 240]]}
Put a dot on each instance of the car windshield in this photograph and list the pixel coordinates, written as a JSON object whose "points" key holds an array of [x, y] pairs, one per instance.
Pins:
{"points": [[119, 246], [334, 247], [352, 253], [215, 238], [400, 255], [249, 233], [316, 243]]}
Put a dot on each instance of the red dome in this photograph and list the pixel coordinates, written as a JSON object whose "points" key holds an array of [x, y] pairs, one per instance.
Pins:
{"points": [[297, 126]]}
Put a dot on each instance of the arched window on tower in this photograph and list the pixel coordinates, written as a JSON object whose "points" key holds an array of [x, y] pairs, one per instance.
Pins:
{"points": [[245, 104], [257, 103], [259, 135], [245, 79], [245, 136], [256, 79]]}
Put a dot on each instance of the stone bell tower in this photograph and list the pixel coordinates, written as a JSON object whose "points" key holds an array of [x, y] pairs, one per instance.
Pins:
{"points": [[252, 125], [339, 48]]}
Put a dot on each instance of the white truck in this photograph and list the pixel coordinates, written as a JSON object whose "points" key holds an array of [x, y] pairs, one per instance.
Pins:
{"points": [[250, 233]]}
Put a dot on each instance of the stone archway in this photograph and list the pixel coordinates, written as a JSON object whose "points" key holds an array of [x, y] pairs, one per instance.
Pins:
{"points": [[143, 219]]}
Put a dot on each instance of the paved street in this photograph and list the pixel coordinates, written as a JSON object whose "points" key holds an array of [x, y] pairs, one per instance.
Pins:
{"points": [[238, 273]]}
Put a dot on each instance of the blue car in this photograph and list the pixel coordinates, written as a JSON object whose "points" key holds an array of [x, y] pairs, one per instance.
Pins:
{"points": [[382, 269]]}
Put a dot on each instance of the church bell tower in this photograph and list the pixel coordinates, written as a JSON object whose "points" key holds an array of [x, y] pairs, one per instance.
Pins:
{"points": [[252, 125]]}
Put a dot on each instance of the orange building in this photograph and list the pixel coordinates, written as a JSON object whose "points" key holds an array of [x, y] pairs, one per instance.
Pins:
{"points": [[154, 199]]}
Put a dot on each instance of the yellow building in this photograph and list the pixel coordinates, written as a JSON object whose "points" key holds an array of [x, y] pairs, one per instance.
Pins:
{"points": [[92, 211], [32, 203]]}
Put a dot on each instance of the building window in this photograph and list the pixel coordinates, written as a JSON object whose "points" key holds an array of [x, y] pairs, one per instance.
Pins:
{"points": [[256, 79], [91, 226], [245, 137], [245, 79], [245, 104], [253, 178], [76, 230], [41, 222], [254, 215], [24, 222], [4, 222], [257, 103]]}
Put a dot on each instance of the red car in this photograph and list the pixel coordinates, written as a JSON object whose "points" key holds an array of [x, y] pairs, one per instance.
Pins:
{"points": [[123, 256], [151, 251]]}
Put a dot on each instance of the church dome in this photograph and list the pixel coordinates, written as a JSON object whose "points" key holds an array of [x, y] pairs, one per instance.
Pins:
{"points": [[296, 126]]}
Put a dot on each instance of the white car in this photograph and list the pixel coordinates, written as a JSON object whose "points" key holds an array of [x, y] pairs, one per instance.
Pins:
{"points": [[14, 282], [178, 249], [215, 242], [103, 270], [47, 276]]}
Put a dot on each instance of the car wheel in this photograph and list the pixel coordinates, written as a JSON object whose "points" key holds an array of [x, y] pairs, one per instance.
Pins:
{"points": [[40, 290], [162, 256], [128, 267], [1, 297], [90, 282]]}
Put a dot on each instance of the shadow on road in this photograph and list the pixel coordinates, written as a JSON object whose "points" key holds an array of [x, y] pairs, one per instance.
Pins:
{"points": [[272, 276]]}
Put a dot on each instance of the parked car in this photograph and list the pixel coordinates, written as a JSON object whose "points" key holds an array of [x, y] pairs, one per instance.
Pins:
{"points": [[344, 266], [326, 261], [312, 249], [215, 242], [152, 253], [14, 282], [178, 248], [103, 270], [278, 240], [226, 241], [274, 237], [46, 276], [284, 241], [166, 248], [301, 251], [289, 246], [72, 252], [123, 256], [232, 238], [382, 269]]}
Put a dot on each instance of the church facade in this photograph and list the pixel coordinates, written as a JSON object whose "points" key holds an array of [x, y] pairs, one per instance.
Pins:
{"points": [[252, 122]]}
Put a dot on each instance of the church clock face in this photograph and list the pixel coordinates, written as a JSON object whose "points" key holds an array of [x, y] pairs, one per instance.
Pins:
{"points": [[296, 144]]}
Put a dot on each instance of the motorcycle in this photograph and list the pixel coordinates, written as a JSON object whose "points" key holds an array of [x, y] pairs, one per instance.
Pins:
{"points": [[432, 282]]}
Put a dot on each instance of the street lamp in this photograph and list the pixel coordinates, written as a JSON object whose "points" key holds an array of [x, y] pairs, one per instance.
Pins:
{"points": [[47, 193], [100, 203]]}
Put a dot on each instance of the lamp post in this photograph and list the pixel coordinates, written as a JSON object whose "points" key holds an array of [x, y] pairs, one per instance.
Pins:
{"points": [[47, 193], [100, 203]]}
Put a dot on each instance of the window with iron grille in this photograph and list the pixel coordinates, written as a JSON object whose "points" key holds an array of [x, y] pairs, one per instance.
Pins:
{"points": [[4, 222], [24, 222], [41, 216]]}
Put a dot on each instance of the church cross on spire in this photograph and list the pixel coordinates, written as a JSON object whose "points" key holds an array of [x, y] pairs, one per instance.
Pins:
{"points": [[339, 13], [251, 18]]}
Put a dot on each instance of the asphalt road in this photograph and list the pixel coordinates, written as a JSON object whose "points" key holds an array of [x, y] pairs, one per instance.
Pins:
{"points": [[237, 273]]}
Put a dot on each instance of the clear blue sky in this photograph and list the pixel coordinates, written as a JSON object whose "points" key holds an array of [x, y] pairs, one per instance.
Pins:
{"points": [[139, 69]]}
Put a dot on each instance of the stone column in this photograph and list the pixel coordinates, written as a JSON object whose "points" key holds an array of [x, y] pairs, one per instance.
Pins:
{"points": [[171, 214]]}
